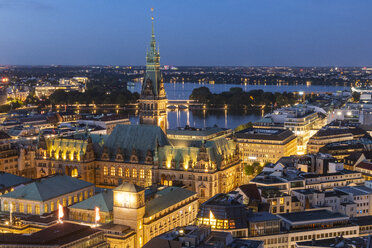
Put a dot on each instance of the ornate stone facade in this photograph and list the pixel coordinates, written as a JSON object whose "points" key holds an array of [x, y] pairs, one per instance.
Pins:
{"points": [[153, 100]]}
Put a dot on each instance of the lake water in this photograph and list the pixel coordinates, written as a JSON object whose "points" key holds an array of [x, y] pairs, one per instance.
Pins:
{"points": [[181, 91], [221, 118]]}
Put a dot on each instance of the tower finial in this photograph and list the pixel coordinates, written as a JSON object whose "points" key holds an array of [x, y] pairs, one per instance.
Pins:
{"points": [[152, 20]]}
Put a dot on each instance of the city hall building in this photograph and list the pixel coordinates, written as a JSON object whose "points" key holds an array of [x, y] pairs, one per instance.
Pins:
{"points": [[205, 161]]}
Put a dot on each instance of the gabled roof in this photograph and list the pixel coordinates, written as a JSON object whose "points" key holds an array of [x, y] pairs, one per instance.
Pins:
{"points": [[365, 165], [251, 191], [8, 180], [166, 198], [104, 201], [142, 138], [48, 188]]}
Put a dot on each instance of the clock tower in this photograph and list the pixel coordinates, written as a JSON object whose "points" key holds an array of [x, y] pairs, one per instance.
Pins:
{"points": [[153, 100]]}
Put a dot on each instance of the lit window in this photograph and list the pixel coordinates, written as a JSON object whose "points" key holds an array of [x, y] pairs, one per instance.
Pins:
{"points": [[29, 208], [112, 171], [142, 173], [134, 173], [51, 206], [74, 173], [120, 172], [75, 198], [149, 174], [6, 206], [45, 208], [86, 195], [127, 172], [69, 200], [105, 171], [37, 209], [81, 196], [64, 202], [281, 201]]}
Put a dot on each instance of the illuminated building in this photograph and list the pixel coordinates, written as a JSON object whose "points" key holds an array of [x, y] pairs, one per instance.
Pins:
{"points": [[265, 145], [331, 135], [318, 224], [8, 155], [200, 237], [45, 194], [137, 219], [279, 202], [224, 212], [153, 100], [302, 120], [74, 84], [108, 122], [142, 154], [365, 168], [85, 211], [59, 235], [343, 149], [3, 96], [72, 156], [207, 167]]}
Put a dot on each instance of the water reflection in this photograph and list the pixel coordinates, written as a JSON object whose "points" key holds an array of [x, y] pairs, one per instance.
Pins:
{"points": [[182, 91]]}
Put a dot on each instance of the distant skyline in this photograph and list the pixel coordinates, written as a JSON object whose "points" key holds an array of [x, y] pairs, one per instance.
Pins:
{"points": [[190, 33]]}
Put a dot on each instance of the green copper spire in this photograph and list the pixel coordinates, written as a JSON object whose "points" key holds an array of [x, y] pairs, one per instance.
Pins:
{"points": [[153, 85]]}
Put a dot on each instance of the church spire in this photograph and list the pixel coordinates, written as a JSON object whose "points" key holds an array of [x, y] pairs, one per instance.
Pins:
{"points": [[153, 41], [152, 21]]}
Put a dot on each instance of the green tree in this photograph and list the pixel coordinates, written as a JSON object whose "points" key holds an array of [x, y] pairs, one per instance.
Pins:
{"points": [[248, 170]]}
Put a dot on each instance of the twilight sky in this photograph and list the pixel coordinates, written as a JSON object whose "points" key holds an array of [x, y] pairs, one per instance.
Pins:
{"points": [[189, 32]]}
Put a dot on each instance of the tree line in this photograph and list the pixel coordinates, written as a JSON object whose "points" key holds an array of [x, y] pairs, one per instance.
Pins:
{"points": [[237, 98]]}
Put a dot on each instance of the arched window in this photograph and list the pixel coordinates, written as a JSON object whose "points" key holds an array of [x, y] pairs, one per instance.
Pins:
{"points": [[134, 173], [37, 209], [113, 171], [120, 172], [74, 172]]}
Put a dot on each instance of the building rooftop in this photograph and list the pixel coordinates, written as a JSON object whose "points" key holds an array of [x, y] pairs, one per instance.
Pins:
{"points": [[365, 165], [355, 190], [129, 187], [264, 134], [104, 201], [307, 191], [340, 242], [311, 216], [8, 180], [56, 235], [201, 132], [261, 217], [251, 191], [167, 198], [47, 188], [225, 207], [129, 138], [362, 220]]}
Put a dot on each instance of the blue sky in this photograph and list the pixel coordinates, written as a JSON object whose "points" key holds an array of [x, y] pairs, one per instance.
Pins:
{"points": [[189, 32]]}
